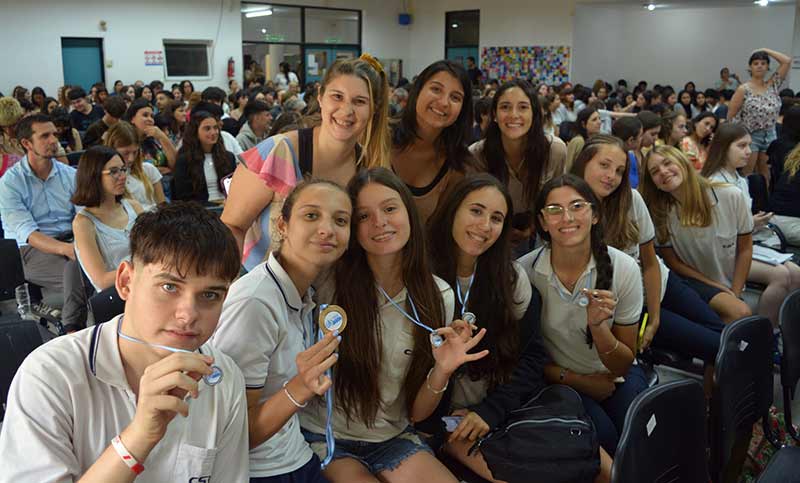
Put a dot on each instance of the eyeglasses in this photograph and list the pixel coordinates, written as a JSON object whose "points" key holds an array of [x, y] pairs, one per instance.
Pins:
{"points": [[555, 211], [116, 172]]}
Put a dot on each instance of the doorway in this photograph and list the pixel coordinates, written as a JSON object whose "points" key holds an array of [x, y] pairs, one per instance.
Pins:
{"points": [[83, 61]]}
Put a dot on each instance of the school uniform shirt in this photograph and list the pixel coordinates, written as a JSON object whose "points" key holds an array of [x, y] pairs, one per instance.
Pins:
{"points": [[564, 323], [736, 179], [555, 167], [647, 233], [70, 398], [711, 250], [264, 324], [467, 392], [397, 337]]}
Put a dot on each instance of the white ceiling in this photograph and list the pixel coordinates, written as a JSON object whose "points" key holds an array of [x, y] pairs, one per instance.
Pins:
{"points": [[684, 3]]}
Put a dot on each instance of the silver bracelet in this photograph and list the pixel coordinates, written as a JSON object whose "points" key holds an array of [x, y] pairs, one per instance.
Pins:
{"points": [[428, 384], [294, 401]]}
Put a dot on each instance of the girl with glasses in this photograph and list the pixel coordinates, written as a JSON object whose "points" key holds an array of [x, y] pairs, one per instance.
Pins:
{"points": [[591, 303], [103, 227]]}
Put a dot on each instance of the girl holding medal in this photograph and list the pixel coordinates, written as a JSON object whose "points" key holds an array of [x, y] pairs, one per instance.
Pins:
{"points": [[591, 302], [679, 319], [268, 329], [397, 355], [469, 238]]}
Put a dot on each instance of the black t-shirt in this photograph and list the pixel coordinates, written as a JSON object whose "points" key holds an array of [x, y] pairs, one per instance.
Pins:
{"points": [[81, 121], [94, 134]]}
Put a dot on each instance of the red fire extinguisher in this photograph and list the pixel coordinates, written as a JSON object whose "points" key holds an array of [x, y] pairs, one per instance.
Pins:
{"points": [[231, 67]]}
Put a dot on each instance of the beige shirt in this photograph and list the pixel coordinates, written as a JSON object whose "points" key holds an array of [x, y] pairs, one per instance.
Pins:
{"points": [[427, 203], [397, 336], [467, 392], [564, 323], [555, 167]]}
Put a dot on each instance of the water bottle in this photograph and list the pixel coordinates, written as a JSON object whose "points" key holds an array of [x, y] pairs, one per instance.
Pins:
{"points": [[24, 302]]}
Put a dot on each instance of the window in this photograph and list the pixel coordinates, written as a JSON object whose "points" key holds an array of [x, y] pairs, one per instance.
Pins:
{"points": [[186, 58], [328, 26], [270, 23], [461, 37]]}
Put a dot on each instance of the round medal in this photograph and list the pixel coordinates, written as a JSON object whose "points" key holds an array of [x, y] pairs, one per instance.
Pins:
{"points": [[583, 301], [436, 340], [215, 377], [469, 317], [332, 318]]}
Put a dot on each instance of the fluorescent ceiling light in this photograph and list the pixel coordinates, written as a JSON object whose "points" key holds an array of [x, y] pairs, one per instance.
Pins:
{"points": [[259, 13], [651, 7], [455, 25], [762, 3]]}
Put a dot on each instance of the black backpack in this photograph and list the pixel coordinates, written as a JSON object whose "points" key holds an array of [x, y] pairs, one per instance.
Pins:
{"points": [[550, 438]]}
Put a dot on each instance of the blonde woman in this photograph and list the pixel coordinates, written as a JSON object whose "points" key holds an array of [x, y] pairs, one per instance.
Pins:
{"points": [[354, 106], [143, 183], [704, 229]]}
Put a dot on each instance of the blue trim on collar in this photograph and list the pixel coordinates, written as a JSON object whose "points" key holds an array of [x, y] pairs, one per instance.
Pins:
{"points": [[280, 287], [93, 348]]}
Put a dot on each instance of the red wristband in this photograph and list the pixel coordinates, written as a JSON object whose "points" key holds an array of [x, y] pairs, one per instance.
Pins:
{"points": [[126, 456]]}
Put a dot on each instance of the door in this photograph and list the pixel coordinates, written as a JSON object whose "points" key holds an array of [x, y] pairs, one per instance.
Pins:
{"points": [[83, 61]]}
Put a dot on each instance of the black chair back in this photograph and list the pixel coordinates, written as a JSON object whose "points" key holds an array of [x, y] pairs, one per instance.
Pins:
{"points": [[18, 338], [789, 318], [664, 439], [757, 185], [743, 384], [106, 304], [11, 273]]}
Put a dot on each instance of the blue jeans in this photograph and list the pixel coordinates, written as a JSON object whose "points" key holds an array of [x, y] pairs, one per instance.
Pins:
{"points": [[310, 472], [688, 325], [761, 139], [608, 416]]}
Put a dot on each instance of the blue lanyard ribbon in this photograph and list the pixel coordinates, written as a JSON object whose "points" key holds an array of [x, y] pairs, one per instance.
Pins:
{"points": [[211, 379], [463, 301], [436, 339], [566, 297], [330, 441]]}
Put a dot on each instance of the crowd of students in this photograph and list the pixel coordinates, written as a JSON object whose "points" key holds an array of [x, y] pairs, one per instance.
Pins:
{"points": [[469, 263]]}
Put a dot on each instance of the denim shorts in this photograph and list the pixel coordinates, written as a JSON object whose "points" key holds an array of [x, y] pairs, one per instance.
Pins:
{"points": [[761, 139], [377, 457]]}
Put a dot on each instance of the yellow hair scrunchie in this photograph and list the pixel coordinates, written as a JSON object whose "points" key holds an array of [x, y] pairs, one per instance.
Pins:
{"points": [[372, 61]]}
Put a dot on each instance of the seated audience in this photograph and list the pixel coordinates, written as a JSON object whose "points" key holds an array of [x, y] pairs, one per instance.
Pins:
{"points": [[103, 225], [701, 131], [202, 161], [83, 113], [156, 146], [114, 108], [256, 127], [36, 211]]}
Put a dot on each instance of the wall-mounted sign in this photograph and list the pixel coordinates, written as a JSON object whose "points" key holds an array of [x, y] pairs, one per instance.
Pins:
{"points": [[153, 57]]}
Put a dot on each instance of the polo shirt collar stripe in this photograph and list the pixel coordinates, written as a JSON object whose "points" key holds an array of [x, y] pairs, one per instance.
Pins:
{"points": [[93, 348], [284, 283], [544, 267]]}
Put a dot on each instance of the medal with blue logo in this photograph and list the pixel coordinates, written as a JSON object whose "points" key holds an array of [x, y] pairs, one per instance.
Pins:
{"points": [[436, 339], [332, 318]]}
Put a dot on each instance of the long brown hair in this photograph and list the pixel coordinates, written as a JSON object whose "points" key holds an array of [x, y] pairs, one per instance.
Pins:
{"points": [[195, 155], [727, 134], [620, 229], [123, 134], [492, 293], [356, 372]]}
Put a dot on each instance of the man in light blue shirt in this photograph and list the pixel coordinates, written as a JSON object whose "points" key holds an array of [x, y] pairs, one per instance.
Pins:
{"points": [[36, 210]]}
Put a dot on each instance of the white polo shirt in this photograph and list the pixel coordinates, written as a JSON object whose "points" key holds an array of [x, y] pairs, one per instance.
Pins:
{"points": [[467, 392], [736, 179], [647, 233], [397, 337], [261, 328], [70, 397], [564, 323], [711, 250]]}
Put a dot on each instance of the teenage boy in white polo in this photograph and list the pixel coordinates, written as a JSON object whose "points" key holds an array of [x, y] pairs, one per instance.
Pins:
{"points": [[143, 378]]}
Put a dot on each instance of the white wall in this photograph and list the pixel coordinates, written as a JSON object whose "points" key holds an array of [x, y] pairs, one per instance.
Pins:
{"points": [[32, 31], [674, 46], [502, 23]]}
